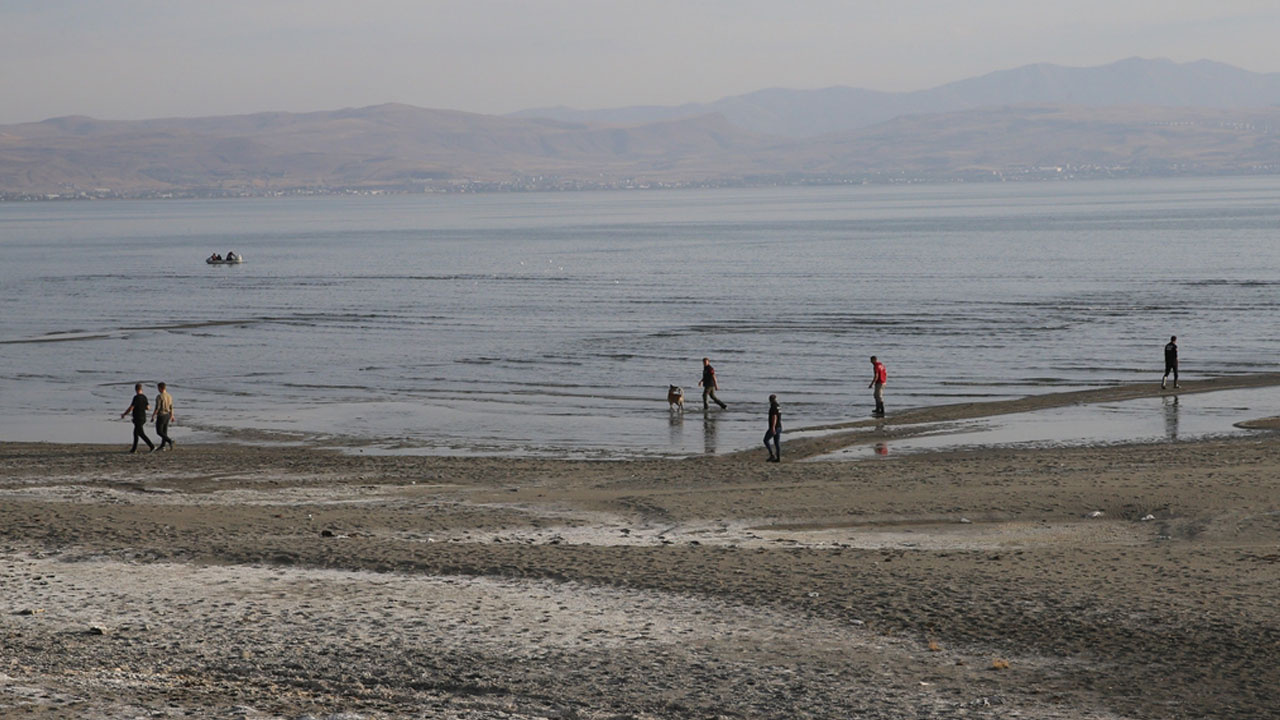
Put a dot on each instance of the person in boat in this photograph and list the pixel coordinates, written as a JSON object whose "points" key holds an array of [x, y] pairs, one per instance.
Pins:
{"points": [[231, 256], [214, 257]]}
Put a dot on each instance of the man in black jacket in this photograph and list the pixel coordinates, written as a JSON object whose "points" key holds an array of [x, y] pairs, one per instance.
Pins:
{"points": [[139, 407], [1170, 362]]}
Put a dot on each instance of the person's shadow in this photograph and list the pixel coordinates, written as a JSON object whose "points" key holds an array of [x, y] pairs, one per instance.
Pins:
{"points": [[1170, 417]]}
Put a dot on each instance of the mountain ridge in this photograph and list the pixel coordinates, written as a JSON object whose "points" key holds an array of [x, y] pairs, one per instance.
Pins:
{"points": [[398, 147], [808, 113]]}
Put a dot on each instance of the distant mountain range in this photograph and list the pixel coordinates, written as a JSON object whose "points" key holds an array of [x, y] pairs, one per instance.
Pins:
{"points": [[1048, 141], [392, 147], [808, 113], [1134, 117]]}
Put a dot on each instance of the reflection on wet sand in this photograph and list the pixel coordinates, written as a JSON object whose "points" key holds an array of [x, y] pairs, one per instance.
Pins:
{"points": [[1170, 417], [675, 423], [709, 432]]}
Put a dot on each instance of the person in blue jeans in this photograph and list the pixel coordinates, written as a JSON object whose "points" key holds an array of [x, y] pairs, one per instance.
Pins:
{"points": [[774, 433]]}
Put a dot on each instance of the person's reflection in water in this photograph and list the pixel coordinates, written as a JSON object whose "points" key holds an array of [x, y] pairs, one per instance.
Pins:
{"points": [[1170, 417], [709, 433]]}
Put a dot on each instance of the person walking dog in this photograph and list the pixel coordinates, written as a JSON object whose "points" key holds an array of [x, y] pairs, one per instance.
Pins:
{"points": [[709, 384]]}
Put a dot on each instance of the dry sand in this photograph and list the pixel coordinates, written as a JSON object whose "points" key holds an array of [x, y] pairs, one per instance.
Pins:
{"points": [[233, 581]]}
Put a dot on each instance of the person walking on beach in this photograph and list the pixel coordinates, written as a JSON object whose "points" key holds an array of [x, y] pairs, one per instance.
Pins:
{"points": [[139, 407], [709, 384], [879, 376], [774, 433], [163, 415], [1170, 362]]}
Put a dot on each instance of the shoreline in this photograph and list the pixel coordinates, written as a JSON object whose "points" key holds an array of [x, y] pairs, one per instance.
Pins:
{"points": [[1106, 582], [503, 186], [1028, 403], [803, 441], [897, 424]]}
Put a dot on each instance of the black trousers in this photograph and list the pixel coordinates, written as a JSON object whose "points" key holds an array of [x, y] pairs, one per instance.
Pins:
{"points": [[162, 429], [776, 437], [140, 431]]}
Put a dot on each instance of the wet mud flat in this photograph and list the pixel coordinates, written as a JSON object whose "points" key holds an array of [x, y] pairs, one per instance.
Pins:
{"points": [[246, 582]]}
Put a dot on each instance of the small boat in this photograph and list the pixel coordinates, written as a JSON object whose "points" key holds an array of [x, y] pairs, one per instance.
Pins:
{"points": [[233, 261]]}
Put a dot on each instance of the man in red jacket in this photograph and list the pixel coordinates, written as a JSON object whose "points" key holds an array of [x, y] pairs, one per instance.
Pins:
{"points": [[879, 376]]}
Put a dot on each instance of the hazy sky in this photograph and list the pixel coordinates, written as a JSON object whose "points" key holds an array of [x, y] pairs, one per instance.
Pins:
{"points": [[123, 59]]}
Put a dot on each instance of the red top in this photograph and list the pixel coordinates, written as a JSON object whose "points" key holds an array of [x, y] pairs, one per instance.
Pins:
{"points": [[882, 375]]}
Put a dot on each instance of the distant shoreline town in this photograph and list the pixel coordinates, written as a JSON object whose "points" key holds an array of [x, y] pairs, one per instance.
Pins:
{"points": [[552, 184]]}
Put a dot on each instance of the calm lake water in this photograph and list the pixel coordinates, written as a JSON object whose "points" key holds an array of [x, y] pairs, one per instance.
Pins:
{"points": [[527, 323]]}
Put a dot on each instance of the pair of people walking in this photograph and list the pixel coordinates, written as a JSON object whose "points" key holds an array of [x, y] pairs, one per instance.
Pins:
{"points": [[162, 416]]}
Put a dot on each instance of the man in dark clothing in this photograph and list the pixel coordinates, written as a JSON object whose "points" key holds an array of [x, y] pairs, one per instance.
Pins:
{"points": [[774, 432], [139, 407], [1170, 362], [709, 384]]}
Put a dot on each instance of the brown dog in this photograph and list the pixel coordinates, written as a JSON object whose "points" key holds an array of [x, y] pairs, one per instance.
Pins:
{"points": [[675, 397]]}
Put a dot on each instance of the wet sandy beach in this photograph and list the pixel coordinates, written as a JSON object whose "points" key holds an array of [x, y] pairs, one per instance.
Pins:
{"points": [[237, 581]]}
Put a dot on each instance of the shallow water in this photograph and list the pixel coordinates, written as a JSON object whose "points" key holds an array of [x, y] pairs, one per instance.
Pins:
{"points": [[552, 323], [1169, 418]]}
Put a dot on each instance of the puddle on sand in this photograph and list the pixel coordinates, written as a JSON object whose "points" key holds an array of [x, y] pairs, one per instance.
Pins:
{"points": [[964, 536], [607, 530], [1168, 418]]}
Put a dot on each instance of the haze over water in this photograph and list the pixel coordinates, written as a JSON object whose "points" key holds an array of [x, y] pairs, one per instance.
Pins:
{"points": [[554, 322]]}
